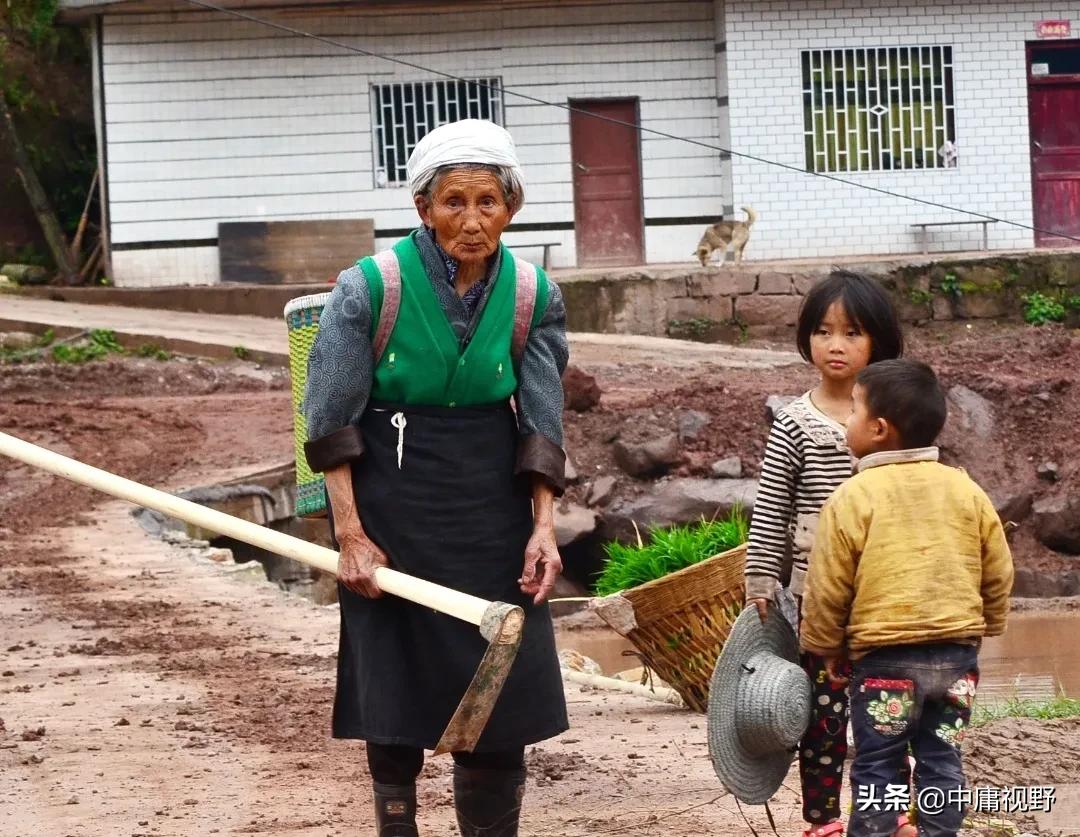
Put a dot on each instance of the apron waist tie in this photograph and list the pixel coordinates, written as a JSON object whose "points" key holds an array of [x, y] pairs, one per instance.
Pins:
{"points": [[398, 421]]}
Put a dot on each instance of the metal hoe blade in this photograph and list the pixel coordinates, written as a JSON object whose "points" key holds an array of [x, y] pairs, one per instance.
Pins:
{"points": [[502, 627]]}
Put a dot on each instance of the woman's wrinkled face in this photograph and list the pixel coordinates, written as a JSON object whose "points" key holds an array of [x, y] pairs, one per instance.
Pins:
{"points": [[468, 212]]}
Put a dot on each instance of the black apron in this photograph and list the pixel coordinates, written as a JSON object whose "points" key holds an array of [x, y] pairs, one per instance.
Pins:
{"points": [[454, 514]]}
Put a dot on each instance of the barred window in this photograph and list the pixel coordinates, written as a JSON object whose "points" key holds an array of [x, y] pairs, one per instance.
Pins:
{"points": [[404, 113], [876, 109]]}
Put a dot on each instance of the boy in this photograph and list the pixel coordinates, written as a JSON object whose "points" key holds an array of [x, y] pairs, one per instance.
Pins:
{"points": [[909, 570]]}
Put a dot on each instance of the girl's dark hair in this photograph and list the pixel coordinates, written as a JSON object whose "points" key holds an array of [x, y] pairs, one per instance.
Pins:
{"points": [[865, 302]]}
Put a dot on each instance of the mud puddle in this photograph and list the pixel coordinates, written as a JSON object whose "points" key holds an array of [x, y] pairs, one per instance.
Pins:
{"points": [[1035, 660]]}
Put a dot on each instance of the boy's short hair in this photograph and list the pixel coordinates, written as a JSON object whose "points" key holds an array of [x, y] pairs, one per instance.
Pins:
{"points": [[905, 393], [865, 301]]}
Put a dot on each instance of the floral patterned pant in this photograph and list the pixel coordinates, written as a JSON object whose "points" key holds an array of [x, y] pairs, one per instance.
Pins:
{"points": [[824, 746], [917, 697]]}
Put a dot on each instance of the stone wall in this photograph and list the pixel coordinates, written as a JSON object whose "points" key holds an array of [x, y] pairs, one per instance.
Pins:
{"points": [[733, 302]]}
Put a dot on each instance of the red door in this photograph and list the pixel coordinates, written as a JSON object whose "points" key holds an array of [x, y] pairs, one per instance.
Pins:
{"points": [[1054, 108], [606, 159]]}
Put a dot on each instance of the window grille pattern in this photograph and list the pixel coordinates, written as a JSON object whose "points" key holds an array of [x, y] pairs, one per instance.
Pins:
{"points": [[404, 113], [877, 109]]}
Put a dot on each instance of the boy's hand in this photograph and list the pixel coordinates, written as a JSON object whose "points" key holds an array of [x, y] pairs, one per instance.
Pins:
{"points": [[837, 669]]}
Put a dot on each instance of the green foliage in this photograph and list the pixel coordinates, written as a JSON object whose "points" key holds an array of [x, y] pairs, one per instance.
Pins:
{"points": [[951, 285], [1040, 309], [45, 80], [26, 355], [98, 343], [34, 19], [241, 352], [1046, 710], [669, 550], [696, 327], [154, 351], [919, 297]]}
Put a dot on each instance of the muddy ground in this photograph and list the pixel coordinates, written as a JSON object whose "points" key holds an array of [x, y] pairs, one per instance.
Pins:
{"points": [[144, 692]]}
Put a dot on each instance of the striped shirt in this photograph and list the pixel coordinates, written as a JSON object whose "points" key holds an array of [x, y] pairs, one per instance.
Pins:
{"points": [[806, 459]]}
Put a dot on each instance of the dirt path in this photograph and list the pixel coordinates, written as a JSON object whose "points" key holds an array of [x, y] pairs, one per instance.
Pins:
{"points": [[176, 698], [147, 693]]}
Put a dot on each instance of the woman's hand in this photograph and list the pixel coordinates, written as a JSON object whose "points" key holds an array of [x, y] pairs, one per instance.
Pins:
{"points": [[357, 562], [542, 564]]}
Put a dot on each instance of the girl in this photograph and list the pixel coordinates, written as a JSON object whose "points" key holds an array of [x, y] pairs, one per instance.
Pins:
{"points": [[846, 323]]}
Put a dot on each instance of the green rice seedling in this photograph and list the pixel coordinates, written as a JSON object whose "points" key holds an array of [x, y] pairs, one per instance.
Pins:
{"points": [[669, 550]]}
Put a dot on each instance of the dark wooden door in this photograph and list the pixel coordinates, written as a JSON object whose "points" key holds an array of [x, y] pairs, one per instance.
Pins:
{"points": [[609, 223], [1054, 109]]}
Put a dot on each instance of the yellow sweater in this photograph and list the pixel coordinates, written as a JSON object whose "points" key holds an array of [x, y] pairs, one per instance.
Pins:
{"points": [[907, 551]]}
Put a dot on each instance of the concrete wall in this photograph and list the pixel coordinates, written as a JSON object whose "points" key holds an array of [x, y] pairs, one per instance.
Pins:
{"points": [[211, 119], [728, 304], [804, 216]]}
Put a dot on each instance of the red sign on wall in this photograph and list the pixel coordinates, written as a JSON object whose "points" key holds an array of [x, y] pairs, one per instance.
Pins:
{"points": [[1053, 29]]}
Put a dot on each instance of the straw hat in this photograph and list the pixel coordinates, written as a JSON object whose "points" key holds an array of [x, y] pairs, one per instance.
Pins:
{"points": [[759, 706]]}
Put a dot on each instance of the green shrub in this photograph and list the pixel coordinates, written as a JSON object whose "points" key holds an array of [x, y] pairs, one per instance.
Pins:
{"points": [[1040, 309], [669, 550], [97, 344]]}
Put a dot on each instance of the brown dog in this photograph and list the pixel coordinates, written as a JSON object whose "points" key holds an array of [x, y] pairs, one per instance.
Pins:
{"points": [[726, 234]]}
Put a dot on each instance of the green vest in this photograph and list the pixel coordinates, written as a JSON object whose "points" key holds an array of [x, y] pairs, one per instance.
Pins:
{"points": [[423, 363]]}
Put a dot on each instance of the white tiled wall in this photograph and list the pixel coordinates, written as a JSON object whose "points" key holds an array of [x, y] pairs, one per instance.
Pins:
{"points": [[212, 119], [164, 266], [802, 215]]}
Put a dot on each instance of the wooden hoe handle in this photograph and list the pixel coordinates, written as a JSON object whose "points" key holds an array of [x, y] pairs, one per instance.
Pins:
{"points": [[451, 602]]}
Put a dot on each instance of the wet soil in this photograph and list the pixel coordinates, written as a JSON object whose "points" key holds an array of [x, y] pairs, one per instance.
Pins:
{"points": [[145, 693]]}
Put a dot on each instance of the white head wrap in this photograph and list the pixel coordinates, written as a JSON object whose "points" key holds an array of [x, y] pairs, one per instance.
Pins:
{"points": [[467, 141]]}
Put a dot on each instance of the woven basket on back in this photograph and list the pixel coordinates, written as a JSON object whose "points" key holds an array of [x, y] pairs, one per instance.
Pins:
{"points": [[302, 319], [679, 623]]}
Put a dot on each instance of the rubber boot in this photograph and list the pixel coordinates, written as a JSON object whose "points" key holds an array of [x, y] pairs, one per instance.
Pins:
{"points": [[488, 802], [395, 810]]}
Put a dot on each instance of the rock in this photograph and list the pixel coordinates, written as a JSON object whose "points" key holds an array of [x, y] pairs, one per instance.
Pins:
{"points": [[580, 390], [973, 412], [576, 661], [644, 459], [18, 340], [600, 491], [691, 423], [1012, 505], [757, 310], [775, 403], [1038, 584], [573, 522], [774, 283], [727, 468], [1057, 523], [25, 274], [571, 472], [678, 501], [1024, 583], [219, 556], [1047, 471]]}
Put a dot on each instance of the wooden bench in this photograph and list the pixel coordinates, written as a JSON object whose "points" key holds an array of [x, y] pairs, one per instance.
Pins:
{"points": [[985, 223], [547, 245]]}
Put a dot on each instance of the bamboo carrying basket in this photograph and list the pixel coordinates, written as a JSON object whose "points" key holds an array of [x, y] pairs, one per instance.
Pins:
{"points": [[302, 319], [680, 622]]}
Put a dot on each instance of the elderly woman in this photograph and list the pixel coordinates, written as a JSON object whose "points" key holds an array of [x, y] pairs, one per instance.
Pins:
{"points": [[429, 470]]}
